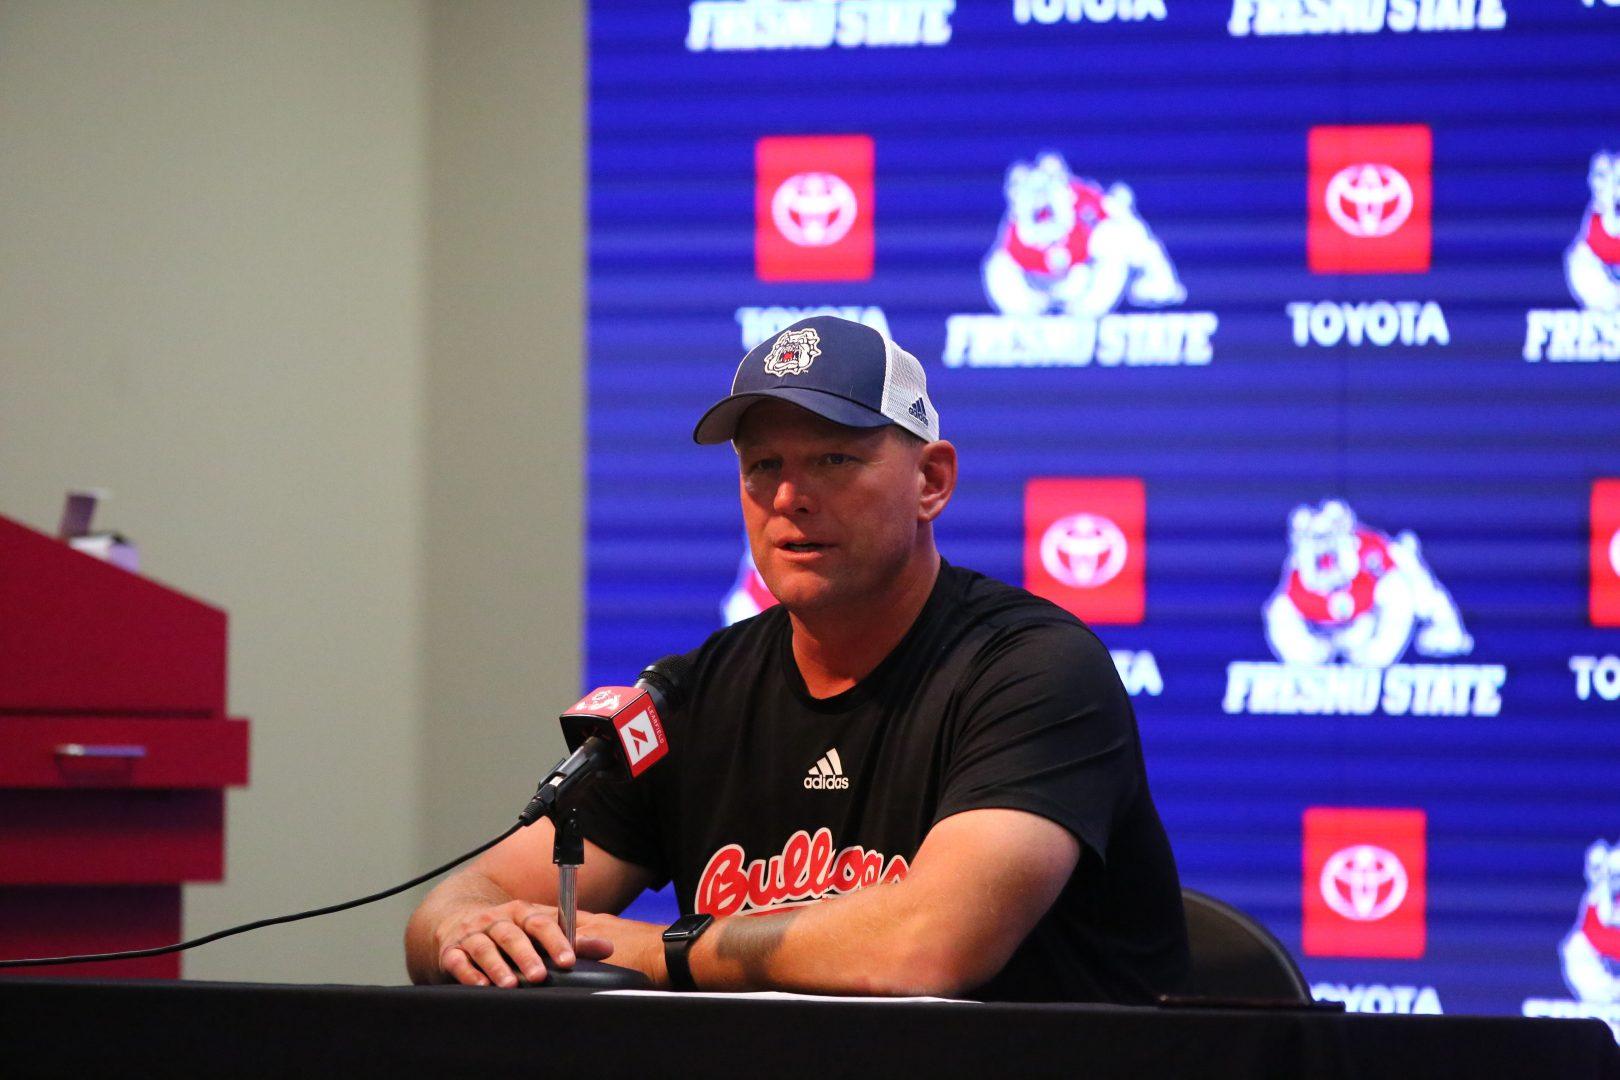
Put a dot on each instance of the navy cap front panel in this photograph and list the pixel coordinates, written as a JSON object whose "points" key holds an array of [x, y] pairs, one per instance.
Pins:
{"points": [[720, 422], [848, 359]]}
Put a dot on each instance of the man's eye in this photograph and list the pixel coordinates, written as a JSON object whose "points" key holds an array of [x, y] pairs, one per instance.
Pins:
{"points": [[762, 465], [837, 459]]}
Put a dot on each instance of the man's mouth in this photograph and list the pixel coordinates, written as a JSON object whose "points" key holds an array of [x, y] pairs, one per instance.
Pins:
{"points": [[807, 546]]}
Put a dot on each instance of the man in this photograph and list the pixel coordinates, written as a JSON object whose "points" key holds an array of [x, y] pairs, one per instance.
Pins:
{"points": [[905, 779]]}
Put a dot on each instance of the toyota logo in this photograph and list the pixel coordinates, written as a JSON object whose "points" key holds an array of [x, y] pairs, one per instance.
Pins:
{"points": [[1368, 201], [1083, 550], [814, 209], [1363, 883]]}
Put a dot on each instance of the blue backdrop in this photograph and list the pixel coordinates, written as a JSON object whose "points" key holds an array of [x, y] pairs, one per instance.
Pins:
{"points": [[1370, 399]]}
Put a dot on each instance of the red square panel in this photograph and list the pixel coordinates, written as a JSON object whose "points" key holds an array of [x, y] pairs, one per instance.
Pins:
{"points": [[1606, 553], [813, 208], [1369, 199], [1365, 888], [1085, 546]]}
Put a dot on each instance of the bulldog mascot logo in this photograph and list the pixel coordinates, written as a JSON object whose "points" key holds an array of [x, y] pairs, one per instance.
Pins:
{"points": [[1068, 247], [1591, 952], [1352, 594], [1592, 262]]}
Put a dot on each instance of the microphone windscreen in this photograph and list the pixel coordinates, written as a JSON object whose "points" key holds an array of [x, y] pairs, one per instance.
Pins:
{"points": [[671, 676]]}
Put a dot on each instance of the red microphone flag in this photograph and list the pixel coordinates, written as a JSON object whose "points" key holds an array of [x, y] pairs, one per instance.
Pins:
{"points": [[634, 721]]}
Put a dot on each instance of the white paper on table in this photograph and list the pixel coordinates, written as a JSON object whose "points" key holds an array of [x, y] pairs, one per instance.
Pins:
{"points": [[782, 995]]}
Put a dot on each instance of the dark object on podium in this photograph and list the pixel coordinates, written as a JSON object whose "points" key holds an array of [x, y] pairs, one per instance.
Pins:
{"points": [[594, 975], [115, 751]]}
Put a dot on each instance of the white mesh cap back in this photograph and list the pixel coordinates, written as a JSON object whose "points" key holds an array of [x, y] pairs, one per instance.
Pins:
{"points": [[905, 393]]}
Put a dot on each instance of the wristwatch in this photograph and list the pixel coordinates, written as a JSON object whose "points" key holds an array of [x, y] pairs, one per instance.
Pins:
{"points": [[678, 939]]}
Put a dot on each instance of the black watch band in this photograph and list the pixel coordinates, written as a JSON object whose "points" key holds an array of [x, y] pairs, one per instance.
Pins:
{"points": [[678, 940]]}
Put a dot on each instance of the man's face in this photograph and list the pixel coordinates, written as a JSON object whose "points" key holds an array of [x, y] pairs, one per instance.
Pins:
{"points": [[832, 512]]}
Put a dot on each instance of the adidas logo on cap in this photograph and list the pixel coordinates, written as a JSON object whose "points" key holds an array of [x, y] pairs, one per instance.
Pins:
{"points": [[827, 774]]}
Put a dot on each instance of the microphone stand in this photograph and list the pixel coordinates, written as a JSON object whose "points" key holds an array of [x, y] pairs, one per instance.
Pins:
{"points": [[568, 852]]}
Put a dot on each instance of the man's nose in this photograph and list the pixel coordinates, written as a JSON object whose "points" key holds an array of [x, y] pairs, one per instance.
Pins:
{"points": [[792, 493]]}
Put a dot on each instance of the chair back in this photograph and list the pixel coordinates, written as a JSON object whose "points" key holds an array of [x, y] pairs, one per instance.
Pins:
{"points": [[1235, 958]]}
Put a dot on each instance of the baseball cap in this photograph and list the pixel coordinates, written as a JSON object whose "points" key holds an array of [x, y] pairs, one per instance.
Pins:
{"points": [[842, 370]]}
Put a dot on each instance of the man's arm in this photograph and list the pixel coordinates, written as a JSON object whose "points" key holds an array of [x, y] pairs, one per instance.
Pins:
{"points": [[482, 924], [979, 884]]}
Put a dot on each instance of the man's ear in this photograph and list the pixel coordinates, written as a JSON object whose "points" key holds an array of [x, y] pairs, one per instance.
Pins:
{"points": [[936, 479]]}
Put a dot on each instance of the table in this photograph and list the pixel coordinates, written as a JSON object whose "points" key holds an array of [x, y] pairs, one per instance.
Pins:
{"points": [[61, 1027]]}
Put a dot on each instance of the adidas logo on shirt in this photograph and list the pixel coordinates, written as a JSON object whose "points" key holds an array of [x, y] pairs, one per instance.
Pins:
{"points": [[827, 774]]}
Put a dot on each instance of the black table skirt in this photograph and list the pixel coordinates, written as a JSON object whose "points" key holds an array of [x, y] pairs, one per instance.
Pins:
{"points": [[114, 1028]]}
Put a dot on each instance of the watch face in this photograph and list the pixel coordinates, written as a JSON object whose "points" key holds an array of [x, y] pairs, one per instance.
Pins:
{"points": [[687, 926]]}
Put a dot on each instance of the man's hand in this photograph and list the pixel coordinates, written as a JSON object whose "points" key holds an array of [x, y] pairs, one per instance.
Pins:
{"points": [[632, 944], [497, 918], [482, 945]]}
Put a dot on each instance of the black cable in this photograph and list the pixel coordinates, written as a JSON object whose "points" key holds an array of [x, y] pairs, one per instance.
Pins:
{"points": [[136, 954]]}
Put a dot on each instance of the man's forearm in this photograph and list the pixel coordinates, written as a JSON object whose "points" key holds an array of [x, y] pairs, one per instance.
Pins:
{"points": [[980, 882], [880, 940], [466, 889]]}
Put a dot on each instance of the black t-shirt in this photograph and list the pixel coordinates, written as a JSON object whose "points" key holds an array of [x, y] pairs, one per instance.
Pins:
{"points": [[994, 698]]}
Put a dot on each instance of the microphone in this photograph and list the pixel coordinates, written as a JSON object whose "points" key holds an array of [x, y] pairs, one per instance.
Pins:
{"points": [[614, 731]]}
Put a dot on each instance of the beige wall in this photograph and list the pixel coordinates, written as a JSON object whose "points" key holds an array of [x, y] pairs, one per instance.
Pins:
{"points": [[298, 281], [505, 399]]}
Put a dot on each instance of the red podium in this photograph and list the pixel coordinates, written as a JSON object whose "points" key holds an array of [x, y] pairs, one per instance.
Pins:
{"points": [[115, 752]]}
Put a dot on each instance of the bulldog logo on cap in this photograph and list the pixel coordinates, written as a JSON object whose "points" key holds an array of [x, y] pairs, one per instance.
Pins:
{"points": [[793, 352]]}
